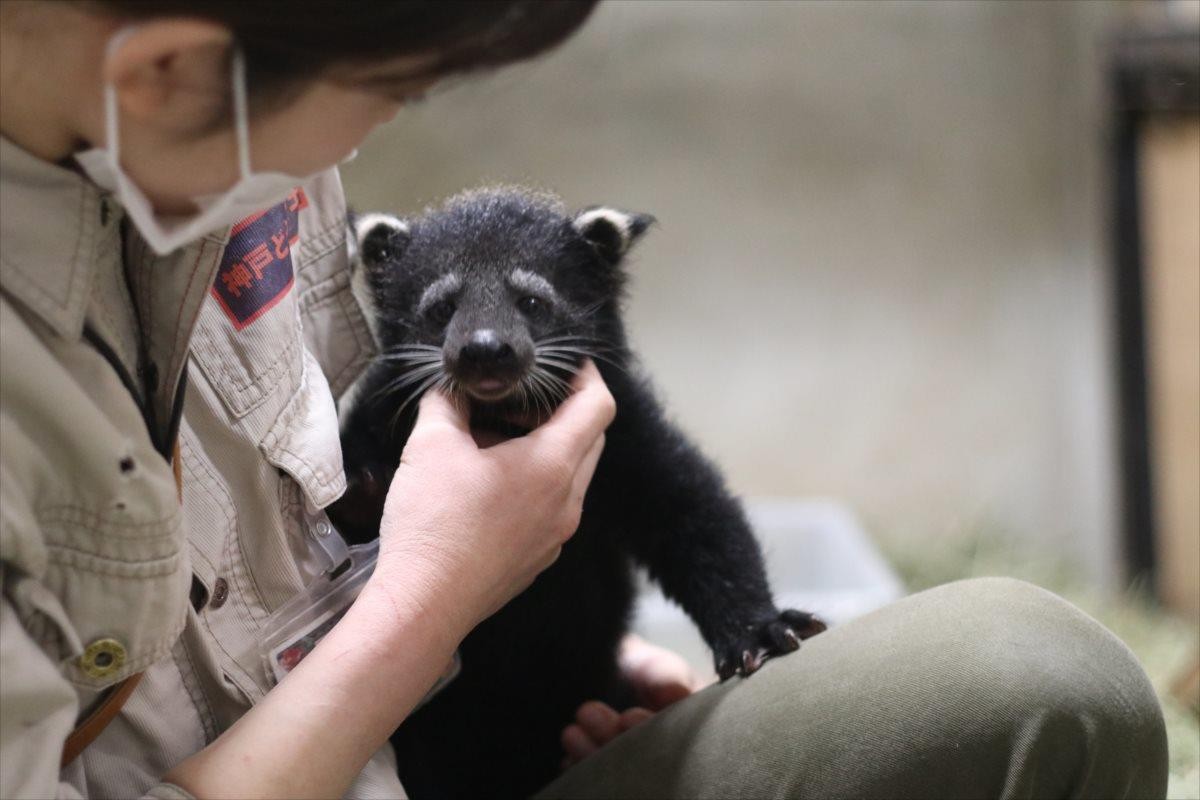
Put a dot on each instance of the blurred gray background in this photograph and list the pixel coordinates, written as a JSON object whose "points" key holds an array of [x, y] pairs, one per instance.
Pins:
{"points": [[880, 271]]}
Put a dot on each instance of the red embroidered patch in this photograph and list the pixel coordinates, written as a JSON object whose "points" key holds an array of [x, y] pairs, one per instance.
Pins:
{"points": [[256, 269]]}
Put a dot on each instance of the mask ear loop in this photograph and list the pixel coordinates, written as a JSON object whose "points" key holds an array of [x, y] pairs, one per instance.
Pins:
{"points": [[112, 139], [241, 121]]}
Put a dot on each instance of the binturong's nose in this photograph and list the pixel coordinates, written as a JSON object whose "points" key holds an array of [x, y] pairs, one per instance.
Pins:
{"points": [[485, 350]]}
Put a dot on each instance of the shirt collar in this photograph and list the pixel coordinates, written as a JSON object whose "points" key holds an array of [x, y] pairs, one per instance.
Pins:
{"points": [[48, 231]]}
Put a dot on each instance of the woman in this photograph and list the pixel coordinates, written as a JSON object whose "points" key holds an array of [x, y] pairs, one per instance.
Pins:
{"points": [[176, 322]]}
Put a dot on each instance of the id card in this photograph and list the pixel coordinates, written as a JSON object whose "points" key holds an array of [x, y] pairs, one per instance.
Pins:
{"points": [[284, 658], [294, 630]]}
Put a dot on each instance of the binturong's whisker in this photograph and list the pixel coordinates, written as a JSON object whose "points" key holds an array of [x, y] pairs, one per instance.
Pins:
{"points": [[410, 358], [555, 387], [436, 378], [415, 346], [549, 378], [571, 338], [405, 379], [524, 394], [545, 397], [549, 361], [410, 352], [559, 353]]}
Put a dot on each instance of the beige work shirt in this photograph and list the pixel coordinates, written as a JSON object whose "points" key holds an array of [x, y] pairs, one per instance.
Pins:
{"points": [[102, 572]]}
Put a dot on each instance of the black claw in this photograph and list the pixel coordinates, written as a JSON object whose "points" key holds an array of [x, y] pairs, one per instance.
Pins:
{"points": [[804, 624], [751, 662], [771, 635], [779, 639]]}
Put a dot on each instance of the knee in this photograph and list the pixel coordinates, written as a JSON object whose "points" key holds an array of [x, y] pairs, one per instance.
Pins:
{"points": [[1059, 680], [1017, 637], [1003, 687]]}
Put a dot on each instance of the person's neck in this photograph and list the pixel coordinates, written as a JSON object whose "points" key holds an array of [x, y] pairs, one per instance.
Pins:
{"points": [[33, 130], [40, 95]]}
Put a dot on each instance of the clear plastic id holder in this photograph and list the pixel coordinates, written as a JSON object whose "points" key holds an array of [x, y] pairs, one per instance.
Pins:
{"points": [[295, 628]]}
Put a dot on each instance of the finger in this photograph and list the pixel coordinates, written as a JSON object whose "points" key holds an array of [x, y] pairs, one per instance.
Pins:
{"points": [[632, 717], [576, 744], [580, 419], [660, 676], [660, 695], [599, 721]]}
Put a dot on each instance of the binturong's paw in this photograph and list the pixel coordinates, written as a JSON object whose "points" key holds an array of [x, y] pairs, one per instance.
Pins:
{"points": [[776, 635]]}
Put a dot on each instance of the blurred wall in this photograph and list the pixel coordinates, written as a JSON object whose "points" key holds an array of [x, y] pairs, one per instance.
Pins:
{"points": [[879, 274]]}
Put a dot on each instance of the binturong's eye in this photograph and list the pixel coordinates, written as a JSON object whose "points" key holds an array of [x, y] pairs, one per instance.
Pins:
{"points": [[441, 312], [531, 306], [377, 250]]}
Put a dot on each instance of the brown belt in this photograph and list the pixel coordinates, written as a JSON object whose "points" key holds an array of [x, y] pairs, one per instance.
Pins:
{"points": [[86, 732]]}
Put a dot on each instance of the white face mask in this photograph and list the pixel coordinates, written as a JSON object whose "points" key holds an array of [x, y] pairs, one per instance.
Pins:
{"points": [[252, 193]]}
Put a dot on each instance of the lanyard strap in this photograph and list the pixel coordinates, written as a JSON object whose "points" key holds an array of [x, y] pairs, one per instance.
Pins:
{"points": [[86, 732]]}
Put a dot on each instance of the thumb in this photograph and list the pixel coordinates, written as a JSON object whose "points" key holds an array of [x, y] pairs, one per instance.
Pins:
{"points": [[437, 410]]}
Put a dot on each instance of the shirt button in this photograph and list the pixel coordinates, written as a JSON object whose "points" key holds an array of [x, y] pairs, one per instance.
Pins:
{"points": [[220, 593], [102, 658]]}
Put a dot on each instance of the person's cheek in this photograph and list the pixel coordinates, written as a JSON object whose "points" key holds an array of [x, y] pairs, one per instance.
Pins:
{"points": [[389, 111]]}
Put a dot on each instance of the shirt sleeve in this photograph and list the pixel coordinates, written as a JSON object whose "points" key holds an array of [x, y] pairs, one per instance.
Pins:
{"points": [[39, 709]]}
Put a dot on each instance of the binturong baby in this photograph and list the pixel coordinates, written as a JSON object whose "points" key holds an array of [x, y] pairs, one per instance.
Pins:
{"points": [[496, 298]]}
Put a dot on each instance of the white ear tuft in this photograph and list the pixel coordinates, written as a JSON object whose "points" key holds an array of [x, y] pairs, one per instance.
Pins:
{"points": [[610, 230], [378, 237]]}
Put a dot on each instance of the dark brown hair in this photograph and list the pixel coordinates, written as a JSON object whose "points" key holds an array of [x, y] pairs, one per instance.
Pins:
{"points": [[290, 42]]}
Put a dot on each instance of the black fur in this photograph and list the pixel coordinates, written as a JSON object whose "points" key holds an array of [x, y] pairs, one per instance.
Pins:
{"points": [[655, 501]]}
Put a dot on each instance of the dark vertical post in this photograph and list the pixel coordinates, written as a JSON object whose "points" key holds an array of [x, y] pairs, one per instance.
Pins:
{"points": [[1155, 71], [1137, 507]]}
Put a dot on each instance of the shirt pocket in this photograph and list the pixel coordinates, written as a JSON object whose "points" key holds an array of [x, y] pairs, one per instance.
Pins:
{"points": [[123, 585], [101, 557], [255, 369], [250, 344], [275, 394]]}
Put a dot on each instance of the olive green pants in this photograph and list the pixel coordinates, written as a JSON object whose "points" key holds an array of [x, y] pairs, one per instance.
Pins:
{"points": [[981, 688]]}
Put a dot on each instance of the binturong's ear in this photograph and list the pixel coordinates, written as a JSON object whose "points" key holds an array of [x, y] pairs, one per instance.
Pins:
{"points": [[611, 231], [377, 238]]}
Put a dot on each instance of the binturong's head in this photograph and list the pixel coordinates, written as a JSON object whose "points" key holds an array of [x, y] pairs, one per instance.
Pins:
{"points": [[496, 296]]}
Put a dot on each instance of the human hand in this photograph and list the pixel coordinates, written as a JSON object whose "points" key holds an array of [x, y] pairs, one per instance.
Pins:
{"points": [[474, 525], [659, 678]]}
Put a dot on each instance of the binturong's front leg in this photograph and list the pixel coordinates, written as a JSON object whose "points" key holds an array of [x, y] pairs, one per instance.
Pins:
{"points": [[681, 523]]}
